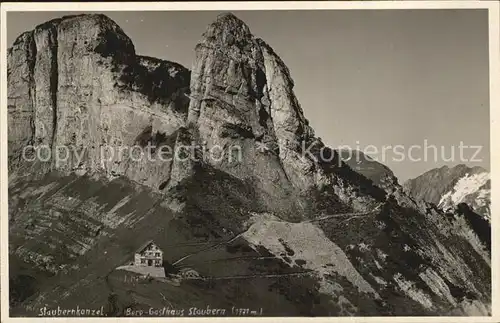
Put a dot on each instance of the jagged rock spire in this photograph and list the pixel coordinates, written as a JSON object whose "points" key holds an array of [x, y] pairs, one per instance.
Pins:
{"points": [[227, 30]]}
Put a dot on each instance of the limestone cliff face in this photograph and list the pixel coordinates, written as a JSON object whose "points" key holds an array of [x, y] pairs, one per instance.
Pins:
{"points": [[242, 96], [76, 83]]}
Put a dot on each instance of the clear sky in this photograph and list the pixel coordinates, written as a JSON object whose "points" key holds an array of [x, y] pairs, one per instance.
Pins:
{"points": [[364, 77]]}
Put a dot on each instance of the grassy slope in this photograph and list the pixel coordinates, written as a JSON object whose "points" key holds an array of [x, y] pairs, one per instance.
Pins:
{"points": [[217, 205], [92, 280]]}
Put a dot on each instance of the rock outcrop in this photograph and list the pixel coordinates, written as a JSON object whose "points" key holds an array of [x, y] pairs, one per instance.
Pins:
{"points": [[279, 202]]}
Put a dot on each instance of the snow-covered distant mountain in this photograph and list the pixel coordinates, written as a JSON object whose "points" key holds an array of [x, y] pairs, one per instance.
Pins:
{"points": [[447, 187], [474, 190]]}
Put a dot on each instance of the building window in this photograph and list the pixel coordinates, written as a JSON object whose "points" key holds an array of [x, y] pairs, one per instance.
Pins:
{"points": [[157, 254], [143, 261]]}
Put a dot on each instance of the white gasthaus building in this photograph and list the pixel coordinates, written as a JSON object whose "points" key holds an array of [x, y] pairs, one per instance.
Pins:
{"points": [[149, 254]]}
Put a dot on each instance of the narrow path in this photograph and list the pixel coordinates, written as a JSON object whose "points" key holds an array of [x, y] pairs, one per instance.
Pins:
{"points": [[230, 259], [351, 215]]}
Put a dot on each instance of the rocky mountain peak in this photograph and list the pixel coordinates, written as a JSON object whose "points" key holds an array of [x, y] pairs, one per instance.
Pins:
{"points": [[447, 187], [90, 90], [101, 34], [271, 187], [75, 83], [227, 30]]}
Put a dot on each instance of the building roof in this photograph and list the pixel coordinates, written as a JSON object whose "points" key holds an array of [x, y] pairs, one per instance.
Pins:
{"points": [[144, 245]]}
